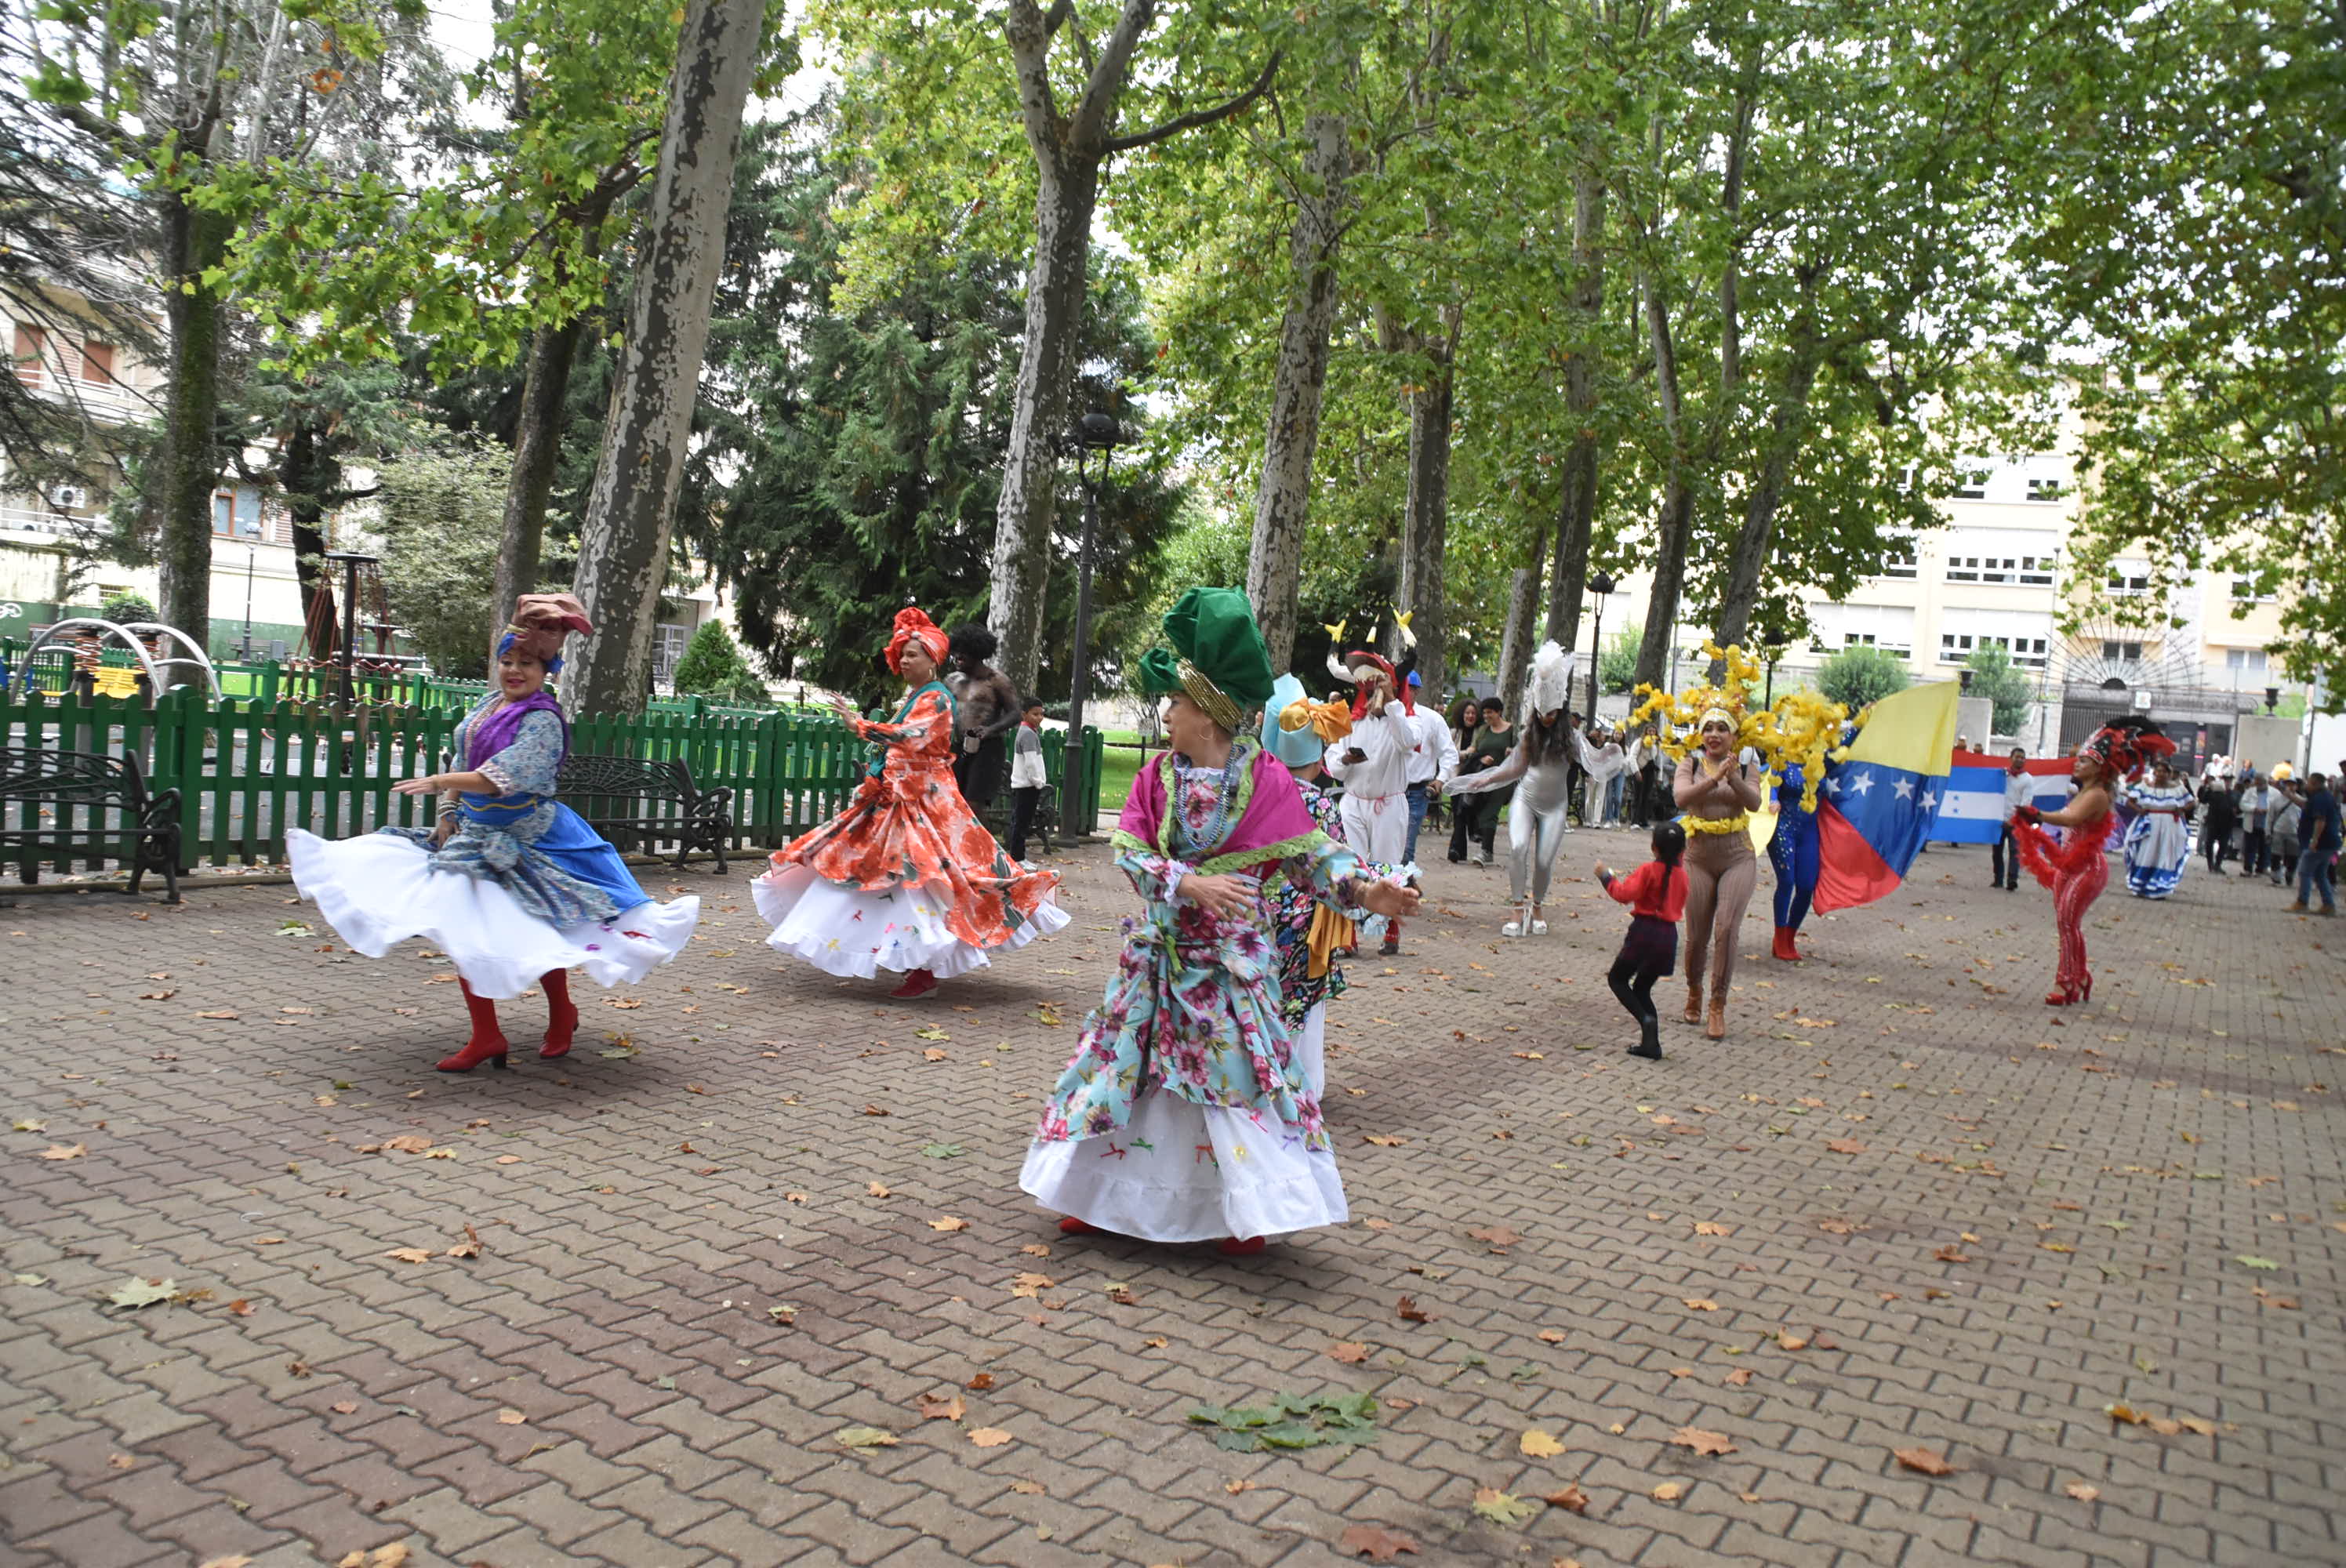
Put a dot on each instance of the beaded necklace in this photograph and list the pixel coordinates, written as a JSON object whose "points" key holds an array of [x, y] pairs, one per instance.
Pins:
{"points": [[1219, 822]]}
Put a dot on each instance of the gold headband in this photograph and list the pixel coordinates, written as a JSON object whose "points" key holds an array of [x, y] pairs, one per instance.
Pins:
{"points": [[1210, 697], [1719, 713]]}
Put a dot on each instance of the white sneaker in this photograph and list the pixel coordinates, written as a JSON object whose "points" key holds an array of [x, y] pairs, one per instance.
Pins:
{"points": [[1513, 928], [1539, 928]]}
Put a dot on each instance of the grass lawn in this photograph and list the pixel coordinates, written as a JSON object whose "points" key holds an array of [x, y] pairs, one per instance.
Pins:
{"points": [[1121, 761]]}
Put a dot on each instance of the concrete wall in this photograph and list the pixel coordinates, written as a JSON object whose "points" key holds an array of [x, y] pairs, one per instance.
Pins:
{"points": [[2262, 741]]}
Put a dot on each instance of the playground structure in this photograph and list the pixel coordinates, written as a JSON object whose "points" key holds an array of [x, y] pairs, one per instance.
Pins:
{"points": [[136, 637]]}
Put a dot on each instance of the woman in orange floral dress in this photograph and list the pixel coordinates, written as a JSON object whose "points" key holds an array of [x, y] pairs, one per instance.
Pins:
{"points": [[906, 878]]}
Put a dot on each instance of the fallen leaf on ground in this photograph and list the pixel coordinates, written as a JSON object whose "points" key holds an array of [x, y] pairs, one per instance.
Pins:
{"points": [[980, 1383], [988, 1437], [866, 1437], [1669, 1491], [1537, 1444], [1351, 1353], [1738, 1377], [1504, 1508], [1699, 1303], [1571, 1499], [875, 1109], [949, 1222], [1497, 1236], [1028, 1488], [1386, 1142], [135, 1292], [942, 1408], [875, 1189], [1846, 1147], [1703, 1442], [240, 1307], [411, 1253], [1552, 1336], [238, 1561], [1411, 1312], [1925, 1461], [408, 1144], [1712, 1227], [1374, 1541], [510, 1418], [1951, 1253], [63, 1152], [2081, 1492]]}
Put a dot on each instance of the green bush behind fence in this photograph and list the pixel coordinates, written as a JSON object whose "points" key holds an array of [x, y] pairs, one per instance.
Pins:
{"points": [[248, 770]]}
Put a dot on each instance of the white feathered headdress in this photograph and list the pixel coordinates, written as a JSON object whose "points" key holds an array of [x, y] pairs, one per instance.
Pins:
{"points": [[1551, 683]]}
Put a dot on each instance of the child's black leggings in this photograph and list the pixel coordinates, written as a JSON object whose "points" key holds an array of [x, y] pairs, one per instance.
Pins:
{"points": [[1648, 952]]}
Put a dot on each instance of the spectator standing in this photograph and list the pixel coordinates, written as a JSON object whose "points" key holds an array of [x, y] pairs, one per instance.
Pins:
{"points": [[1028, 778], [2280, 837], [2019, 789], [2257, 797], [1478, 815], [2318, 832], [2220, 815]]}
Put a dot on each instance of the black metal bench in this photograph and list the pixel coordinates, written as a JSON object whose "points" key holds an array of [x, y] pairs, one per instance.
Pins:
{"points": [[620, 798], [43, 791]]}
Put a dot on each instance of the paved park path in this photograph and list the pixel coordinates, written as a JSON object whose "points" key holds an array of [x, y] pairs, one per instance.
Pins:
{"points": [[1671, 1314]]}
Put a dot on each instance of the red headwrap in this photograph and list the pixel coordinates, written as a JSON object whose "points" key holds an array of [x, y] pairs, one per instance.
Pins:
{"points": [[1392, 682], [914, 625], [540, 622]]}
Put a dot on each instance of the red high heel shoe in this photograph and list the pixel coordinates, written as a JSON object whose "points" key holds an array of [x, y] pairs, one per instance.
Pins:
{"points": [[918, 982], [1785, 936], [1242, 1246], [2061, 995], [1070, 1225], [561, 1014]]}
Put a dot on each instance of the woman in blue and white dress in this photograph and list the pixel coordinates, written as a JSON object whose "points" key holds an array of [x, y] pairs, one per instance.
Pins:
{"points": [[2158, 844], [512, 885]]}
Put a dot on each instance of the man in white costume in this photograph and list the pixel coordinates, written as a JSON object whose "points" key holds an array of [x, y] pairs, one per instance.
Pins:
{"points": [[1373, 765], [1432, 761]]}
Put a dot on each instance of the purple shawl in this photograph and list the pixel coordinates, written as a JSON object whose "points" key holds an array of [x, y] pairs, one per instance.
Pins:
{"points": [[494, 733], [1275, 817]]}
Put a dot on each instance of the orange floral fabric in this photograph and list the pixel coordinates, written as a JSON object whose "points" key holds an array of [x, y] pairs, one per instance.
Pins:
{"points": [[908, 826]]}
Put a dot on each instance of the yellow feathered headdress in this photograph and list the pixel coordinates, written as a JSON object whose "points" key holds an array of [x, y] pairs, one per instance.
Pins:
{"points": [[1798, 729]]}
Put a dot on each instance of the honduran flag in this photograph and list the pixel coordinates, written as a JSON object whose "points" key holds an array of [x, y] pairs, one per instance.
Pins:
{"points": [[1971, 807], [1877, 805]]}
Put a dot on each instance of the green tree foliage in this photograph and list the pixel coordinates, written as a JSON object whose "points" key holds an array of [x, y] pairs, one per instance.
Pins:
{"points": [[2010, 689], [2203, 235], [439, 513], [713, 666], [1856, 678], [122, 609], [848, 468], [1617, 666]]}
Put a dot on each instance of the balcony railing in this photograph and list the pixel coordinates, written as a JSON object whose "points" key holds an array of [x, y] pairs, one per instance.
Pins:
{"points": [[41, 519], [107, 400]]}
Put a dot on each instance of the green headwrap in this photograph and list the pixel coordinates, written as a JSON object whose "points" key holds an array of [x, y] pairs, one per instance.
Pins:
{"points": [[1218, 658]]}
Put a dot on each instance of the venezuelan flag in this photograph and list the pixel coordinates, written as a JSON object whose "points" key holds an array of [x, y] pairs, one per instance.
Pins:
{"points": [[1877, 805]]}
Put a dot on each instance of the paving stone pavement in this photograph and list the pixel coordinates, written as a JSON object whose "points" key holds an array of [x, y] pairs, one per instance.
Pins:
{"points": [[1902, 1206]]}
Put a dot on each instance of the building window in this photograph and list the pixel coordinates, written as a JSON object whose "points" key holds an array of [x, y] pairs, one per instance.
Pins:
{"points": [[1971, 483], [2248, 661], [98, 364], [2246, 592], [2037, 570], [32, 354], [1954, 647], [2127, 584], [1899, 566], [2127, 652], [2022, 569], [2046, 489]]}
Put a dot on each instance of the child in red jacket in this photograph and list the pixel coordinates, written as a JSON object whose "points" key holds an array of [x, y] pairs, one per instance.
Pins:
{"points": [[1656, 893]]}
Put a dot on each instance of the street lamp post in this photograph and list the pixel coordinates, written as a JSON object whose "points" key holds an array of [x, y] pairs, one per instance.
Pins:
{"points": [[1095, 433], [351, 561], [1600, 586]]}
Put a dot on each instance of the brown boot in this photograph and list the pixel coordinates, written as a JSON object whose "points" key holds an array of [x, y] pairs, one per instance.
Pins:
{"points": [[1694, 1001], [1715, 1024]]}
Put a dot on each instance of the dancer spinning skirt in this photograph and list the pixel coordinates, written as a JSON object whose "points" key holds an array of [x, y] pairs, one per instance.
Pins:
{"points": [[906, 878], [512, 885], [2076, 866], [2158, 844], [1185, 1114]]}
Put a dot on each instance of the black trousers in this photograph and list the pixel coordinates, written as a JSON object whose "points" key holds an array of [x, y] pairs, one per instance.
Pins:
{"points": [[2007, 871], [2252, 851], [1023, 806], [980, 772], [1648, 953], [2217, 843]]}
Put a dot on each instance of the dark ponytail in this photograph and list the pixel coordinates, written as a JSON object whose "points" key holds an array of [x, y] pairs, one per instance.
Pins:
{"points": [[1669, 843]]}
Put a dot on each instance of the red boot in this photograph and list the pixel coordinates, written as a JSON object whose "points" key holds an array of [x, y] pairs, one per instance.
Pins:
{"points": [[561, 1013], [1242, 1245], [487, 1043], [918, 982], [1784, 948], [1070, 1225]]}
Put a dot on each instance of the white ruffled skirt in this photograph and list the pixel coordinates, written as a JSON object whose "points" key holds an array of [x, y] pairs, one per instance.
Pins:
{"points": [[1179, 1171], [846, 931], [378, 890]]}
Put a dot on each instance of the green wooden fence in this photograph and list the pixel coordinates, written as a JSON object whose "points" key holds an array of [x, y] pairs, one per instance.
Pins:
{"points": [[249, 769]]}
